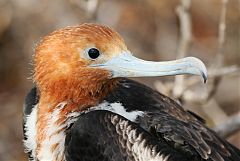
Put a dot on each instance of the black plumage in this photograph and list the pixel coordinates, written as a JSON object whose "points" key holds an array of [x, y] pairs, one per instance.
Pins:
{"points": [[165, 127], [103, 135]]}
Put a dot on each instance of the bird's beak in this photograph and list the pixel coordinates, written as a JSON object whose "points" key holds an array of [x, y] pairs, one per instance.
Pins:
{"points": [[126, 65]]}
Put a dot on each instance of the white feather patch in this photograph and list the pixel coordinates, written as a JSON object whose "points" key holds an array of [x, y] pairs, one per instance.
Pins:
{"points": [[119, 109], [56, 135]]}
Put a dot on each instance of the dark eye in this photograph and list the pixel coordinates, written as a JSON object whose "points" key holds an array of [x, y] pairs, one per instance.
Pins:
{"points": [[93, 53]]}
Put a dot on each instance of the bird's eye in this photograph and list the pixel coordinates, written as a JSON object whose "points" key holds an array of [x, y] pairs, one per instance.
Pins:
{"points": [[93, 53]]}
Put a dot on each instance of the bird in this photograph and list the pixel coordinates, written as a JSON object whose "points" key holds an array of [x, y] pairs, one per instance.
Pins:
{"points": [[84, 107]]}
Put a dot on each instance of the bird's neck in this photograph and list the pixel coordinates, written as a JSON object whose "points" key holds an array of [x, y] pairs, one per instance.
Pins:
{"points": [[51, 130], [58, 109]]}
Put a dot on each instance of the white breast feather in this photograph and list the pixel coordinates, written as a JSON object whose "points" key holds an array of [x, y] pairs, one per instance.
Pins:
{"points": [[55, 134], [31, 130]]}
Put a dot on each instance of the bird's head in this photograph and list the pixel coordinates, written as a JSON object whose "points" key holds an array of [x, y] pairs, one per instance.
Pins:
{"points": [[81, 62]]}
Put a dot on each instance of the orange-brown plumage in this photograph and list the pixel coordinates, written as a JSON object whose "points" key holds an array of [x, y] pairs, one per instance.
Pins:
{"points": [[62, 72], [60, 69]]}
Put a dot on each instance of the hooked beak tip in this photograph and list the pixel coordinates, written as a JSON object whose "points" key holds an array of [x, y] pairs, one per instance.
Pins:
{"points": [[204, 76]]}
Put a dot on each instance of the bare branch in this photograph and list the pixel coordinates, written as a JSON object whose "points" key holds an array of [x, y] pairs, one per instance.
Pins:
{"points": [[184, 43], [232, 124], [212, 73], [229, 126], [221, 33], [203, 97], [218, 61], [185, 27], [198, 97]]}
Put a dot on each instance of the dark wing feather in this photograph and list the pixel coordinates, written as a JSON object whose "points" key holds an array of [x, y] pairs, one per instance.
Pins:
{"points": [[182, 130], [106, 136], [31, 100]]}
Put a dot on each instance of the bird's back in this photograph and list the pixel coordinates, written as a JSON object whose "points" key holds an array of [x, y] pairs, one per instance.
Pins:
{"points": [[164, 124]]}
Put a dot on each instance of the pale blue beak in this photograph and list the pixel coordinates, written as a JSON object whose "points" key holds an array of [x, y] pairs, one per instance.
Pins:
{"points": [[126, 65]]}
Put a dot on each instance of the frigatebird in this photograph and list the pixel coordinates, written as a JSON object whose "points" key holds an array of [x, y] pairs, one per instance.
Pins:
{"points": [[83, 108]]}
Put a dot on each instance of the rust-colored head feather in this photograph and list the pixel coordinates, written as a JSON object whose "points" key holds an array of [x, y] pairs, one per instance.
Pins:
{"points": [[61, 71]]}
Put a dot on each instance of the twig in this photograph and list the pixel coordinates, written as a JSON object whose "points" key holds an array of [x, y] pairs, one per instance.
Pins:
{"points": [[184, 43], [229, 126], [233, 123], [185, 27], [218, 61], [203, 97], [221, 33], [182, 87], [212, 73], [193, 96]]}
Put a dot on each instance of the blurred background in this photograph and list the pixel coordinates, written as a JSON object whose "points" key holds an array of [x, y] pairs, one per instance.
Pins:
{"points": [[153, 30]]}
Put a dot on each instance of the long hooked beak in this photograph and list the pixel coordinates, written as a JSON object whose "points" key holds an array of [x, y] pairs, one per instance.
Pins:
{"points": [[126, 65]]}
